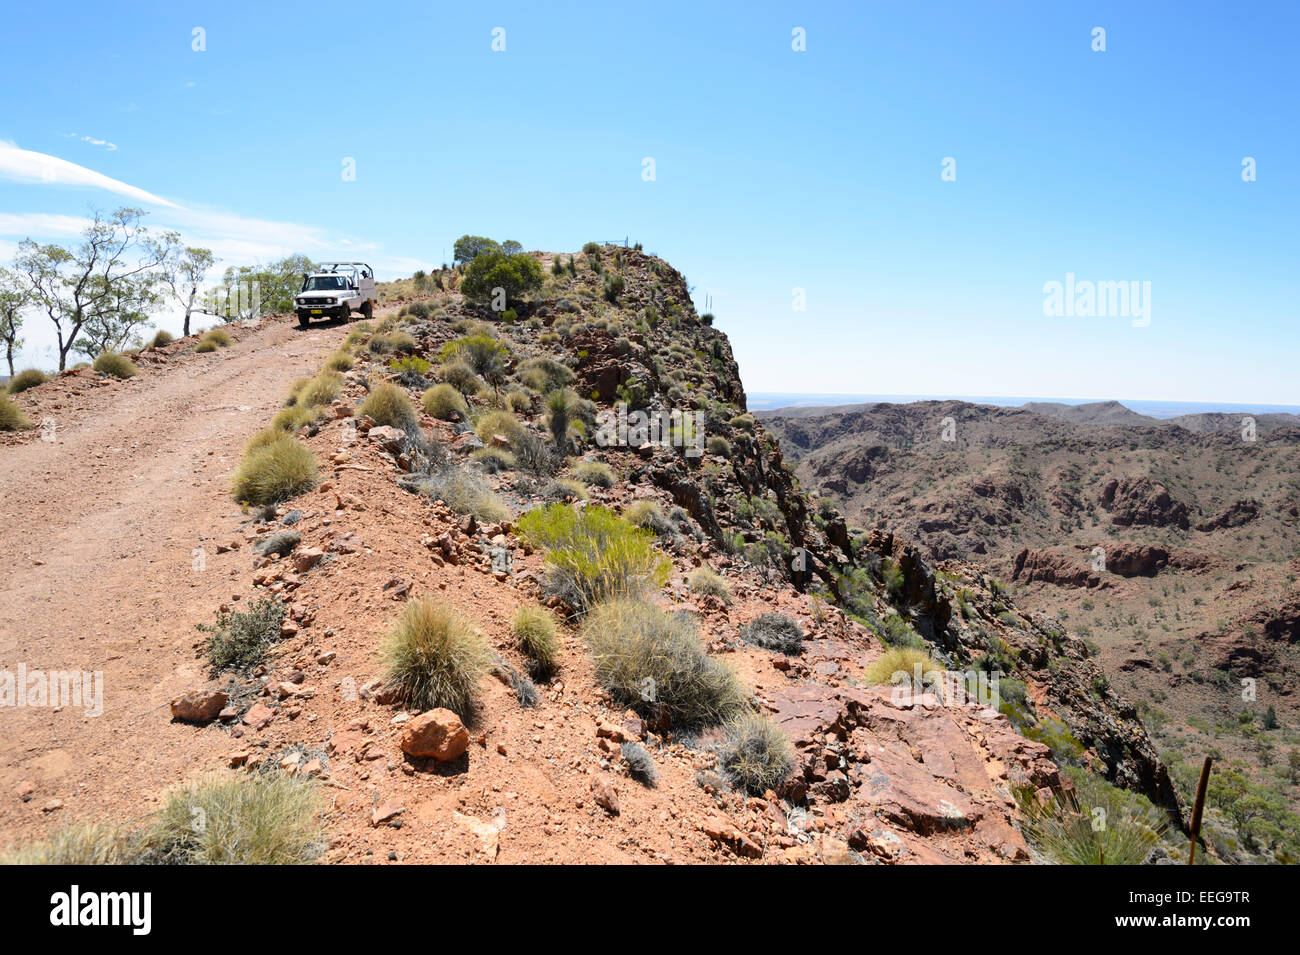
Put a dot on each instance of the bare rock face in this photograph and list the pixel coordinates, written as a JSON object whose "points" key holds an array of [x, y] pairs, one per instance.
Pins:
{"points": [[1141, 501], [1234, 515], [439, 734], [1041, 566], [1135, 560]]}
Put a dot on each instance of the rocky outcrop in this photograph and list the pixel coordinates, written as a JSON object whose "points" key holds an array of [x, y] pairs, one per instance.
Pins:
{"points": [[1234, 515], [1045, 567], [1141, 501]]}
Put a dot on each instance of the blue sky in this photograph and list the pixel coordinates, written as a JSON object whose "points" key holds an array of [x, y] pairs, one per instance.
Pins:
{"points": [[775, 169]]}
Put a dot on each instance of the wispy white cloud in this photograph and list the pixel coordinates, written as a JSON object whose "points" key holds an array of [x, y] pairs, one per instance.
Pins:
{"points": [[24, 165], [111, 147], [234, 239]]}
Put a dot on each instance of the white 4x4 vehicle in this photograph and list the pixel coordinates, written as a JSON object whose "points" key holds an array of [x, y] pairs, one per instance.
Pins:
{"points": [[337, 290]]}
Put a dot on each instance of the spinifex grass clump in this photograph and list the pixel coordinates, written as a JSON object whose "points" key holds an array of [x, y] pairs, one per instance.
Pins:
{"points": [[464, 491], [115, 365], [12, 417], [901, 665], [756, 755], [269, 819], [774, 631], [594, 554], [534, 628], [435, 658], [1066, 828], [275, 471], [704, 581], [239, 640], [595, 474], [27, 378], [653, 662], [389, 405]]}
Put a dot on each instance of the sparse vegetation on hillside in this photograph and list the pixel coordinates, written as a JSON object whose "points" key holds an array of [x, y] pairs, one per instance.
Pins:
{"points": [[239, 639], [115, 365], [435, 658], [275, 471], [391, 406], [12, 417]]}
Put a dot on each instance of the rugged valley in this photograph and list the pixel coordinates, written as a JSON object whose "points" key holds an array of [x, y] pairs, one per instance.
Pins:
{"points": [[1171, 547]]}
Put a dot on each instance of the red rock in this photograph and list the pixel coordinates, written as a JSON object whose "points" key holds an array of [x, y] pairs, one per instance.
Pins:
{"points": [[605, 792], [439, 734], [386, 813], [200, 706], [259, 717], [306, 558]]}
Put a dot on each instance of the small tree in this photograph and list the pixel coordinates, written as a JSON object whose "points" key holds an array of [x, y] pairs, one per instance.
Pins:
{"points": [[276, 285], [182, 271], [514, 275], [114, 329], [469, 247], [15, 295], [511, 247], [85, 285]]}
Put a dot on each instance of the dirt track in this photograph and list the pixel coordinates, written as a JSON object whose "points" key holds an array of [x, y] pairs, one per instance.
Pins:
{"points": [[98, 531]]}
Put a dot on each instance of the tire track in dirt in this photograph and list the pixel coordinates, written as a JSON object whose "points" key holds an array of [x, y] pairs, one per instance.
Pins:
{"points": [[97, 532]]}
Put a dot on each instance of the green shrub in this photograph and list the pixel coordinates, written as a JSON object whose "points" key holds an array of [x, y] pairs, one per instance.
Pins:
{"points": [[239, 639], [205, 345], [1057, 737], [1094, 824], [275, 471], [560, 408], [435, 658], [756, 755], [653, 662], [115, 365], [594, 555], [27, 378], [519, 401], [902, 661], [445, 402], [267, 819], [595, 474], [516, 274], [481, 353], [12, 417], [161, 338], [534, 628], [389, 405], [217, 336]]}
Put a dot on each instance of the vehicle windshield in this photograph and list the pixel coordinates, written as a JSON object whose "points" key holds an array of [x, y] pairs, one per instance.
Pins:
{"points": [[324, 283]]}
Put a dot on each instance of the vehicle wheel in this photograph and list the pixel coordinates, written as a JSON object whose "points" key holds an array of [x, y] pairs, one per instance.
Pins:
{"points": [[367, 310], [302, 320]]}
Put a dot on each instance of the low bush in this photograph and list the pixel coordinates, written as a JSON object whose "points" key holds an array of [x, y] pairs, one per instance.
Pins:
{"points": [[774, 631], [341, 360], [464, 492], [321, 390], [704, 581], [481, 353], [756, 755], [595, 474], [535, 633], [718, 445], [640, 765], [435, 658], [390, 343], [296, 416], [594, 555], [445, 402], [217, 336], [498, 422], [493, 460], [205, 345], [27, 378], [389, 405], [1065, 828], [267, 819], [544, 374], [461, 377], [275, 471], [239, 639], [115, 365], [647, 514], [899, 666], [654, 663], [161, 338], [12, 417]]}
